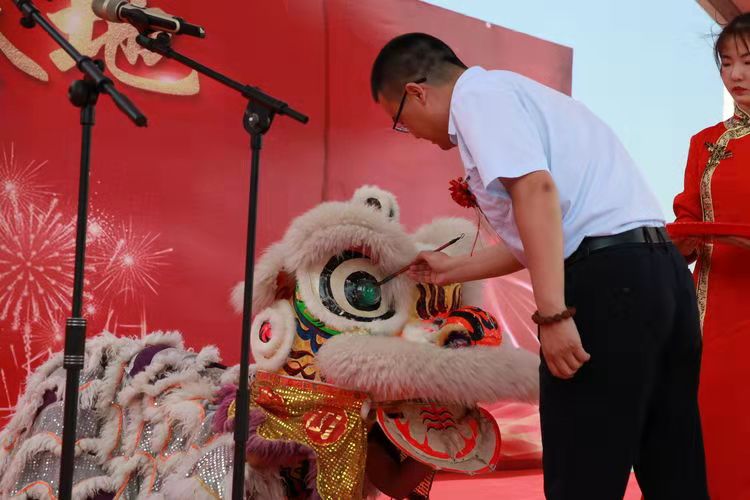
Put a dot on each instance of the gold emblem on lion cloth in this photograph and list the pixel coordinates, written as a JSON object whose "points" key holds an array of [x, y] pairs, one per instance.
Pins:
{"points": [[325, 418]]}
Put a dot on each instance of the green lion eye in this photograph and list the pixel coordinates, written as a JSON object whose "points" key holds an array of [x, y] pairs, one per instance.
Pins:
{"points": [[362, 291], [349, 287]]}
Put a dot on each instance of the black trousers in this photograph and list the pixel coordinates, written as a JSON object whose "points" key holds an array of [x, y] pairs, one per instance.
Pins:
{"points": [[634, 404]]}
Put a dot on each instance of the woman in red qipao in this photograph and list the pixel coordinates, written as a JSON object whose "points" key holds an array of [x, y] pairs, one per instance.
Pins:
{"points": [[717, 190]]}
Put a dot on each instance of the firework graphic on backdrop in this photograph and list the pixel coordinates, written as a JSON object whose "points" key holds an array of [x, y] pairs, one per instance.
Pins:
{"points": [[36, 269], [99, 227], [126, 263], [6, 392], [37, 252], [49, 332], [36, 264], [19, 186]]}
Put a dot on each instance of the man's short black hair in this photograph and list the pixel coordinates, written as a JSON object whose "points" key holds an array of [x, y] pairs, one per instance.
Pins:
{"points": [[409, 57]]}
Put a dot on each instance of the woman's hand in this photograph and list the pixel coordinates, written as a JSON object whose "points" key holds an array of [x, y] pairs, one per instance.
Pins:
{"points": [[687, 246]]}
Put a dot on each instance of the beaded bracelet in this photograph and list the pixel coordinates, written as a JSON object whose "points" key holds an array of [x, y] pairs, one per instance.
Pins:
{"points": [[548, 320]]}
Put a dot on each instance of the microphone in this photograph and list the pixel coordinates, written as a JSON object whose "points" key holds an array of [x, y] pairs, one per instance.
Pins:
{"points": [[120, 11]]}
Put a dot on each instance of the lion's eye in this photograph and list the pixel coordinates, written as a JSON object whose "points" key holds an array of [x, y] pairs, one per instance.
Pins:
{"points": [[349, 288], [362, 291]]}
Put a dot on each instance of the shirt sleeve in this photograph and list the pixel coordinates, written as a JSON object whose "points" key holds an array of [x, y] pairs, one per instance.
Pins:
{"points": [[499, 134], [687, 204]]}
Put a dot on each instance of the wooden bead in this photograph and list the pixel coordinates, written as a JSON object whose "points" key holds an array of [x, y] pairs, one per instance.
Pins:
{"points": [[548, 320]]}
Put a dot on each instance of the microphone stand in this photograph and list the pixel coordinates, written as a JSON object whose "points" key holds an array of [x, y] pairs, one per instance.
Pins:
{"points": [[82, 94], [257, 120]]}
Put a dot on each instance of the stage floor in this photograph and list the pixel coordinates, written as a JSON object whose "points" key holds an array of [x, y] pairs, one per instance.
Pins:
{"points": [[511, 485]]}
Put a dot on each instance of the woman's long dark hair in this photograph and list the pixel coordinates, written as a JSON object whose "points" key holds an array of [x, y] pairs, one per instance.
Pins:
{"points": [[738, 29]]}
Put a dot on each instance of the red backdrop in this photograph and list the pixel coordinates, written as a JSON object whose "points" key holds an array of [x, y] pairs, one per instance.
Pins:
{"points": [[169, 202]]}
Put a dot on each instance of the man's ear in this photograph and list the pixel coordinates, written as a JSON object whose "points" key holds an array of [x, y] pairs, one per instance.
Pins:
{"points": [[417, 91]]}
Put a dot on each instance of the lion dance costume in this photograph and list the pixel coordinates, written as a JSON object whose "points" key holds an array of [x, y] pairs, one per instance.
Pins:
{"points": [[334, 349]]}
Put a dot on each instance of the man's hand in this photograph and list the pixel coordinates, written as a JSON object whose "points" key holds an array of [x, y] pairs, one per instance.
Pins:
{"points": [[562, 348], [432, 267]]}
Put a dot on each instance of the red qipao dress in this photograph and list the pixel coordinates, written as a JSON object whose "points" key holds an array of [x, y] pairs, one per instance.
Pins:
{"points": [[717, 189]]}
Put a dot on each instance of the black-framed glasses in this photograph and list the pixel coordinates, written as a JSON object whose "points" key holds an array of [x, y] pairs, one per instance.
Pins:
{"points": [[397, 126]]}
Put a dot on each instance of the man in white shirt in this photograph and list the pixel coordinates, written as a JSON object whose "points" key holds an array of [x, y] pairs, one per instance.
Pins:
{"points": [[617, 315]]}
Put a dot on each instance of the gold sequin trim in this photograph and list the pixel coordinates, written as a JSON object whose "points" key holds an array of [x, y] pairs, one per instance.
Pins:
{"points": [[737, 127], [324, 418]]}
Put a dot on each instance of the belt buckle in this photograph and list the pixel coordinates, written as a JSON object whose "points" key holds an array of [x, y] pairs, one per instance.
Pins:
{"points": [[646, 230], [655, 235]]}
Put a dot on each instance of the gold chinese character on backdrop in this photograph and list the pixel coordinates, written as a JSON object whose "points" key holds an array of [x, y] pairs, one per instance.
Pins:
{"points": [[21, 60], [77, 21]]}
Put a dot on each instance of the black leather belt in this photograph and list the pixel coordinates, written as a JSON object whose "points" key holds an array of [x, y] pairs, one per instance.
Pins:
{"points": [[645, 235]]}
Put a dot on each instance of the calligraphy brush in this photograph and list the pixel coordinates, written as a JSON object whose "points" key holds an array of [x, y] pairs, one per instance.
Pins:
{"points": [[406, 268]]}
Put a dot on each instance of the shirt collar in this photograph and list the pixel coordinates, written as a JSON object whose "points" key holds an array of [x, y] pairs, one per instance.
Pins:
{"points": [[466, 76]]}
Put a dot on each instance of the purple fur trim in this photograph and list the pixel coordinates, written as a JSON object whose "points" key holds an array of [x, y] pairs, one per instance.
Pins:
{"points": [[103, 495], [311, 480], [272, 452], [224, 398], [144, 358], [48, 398]]}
